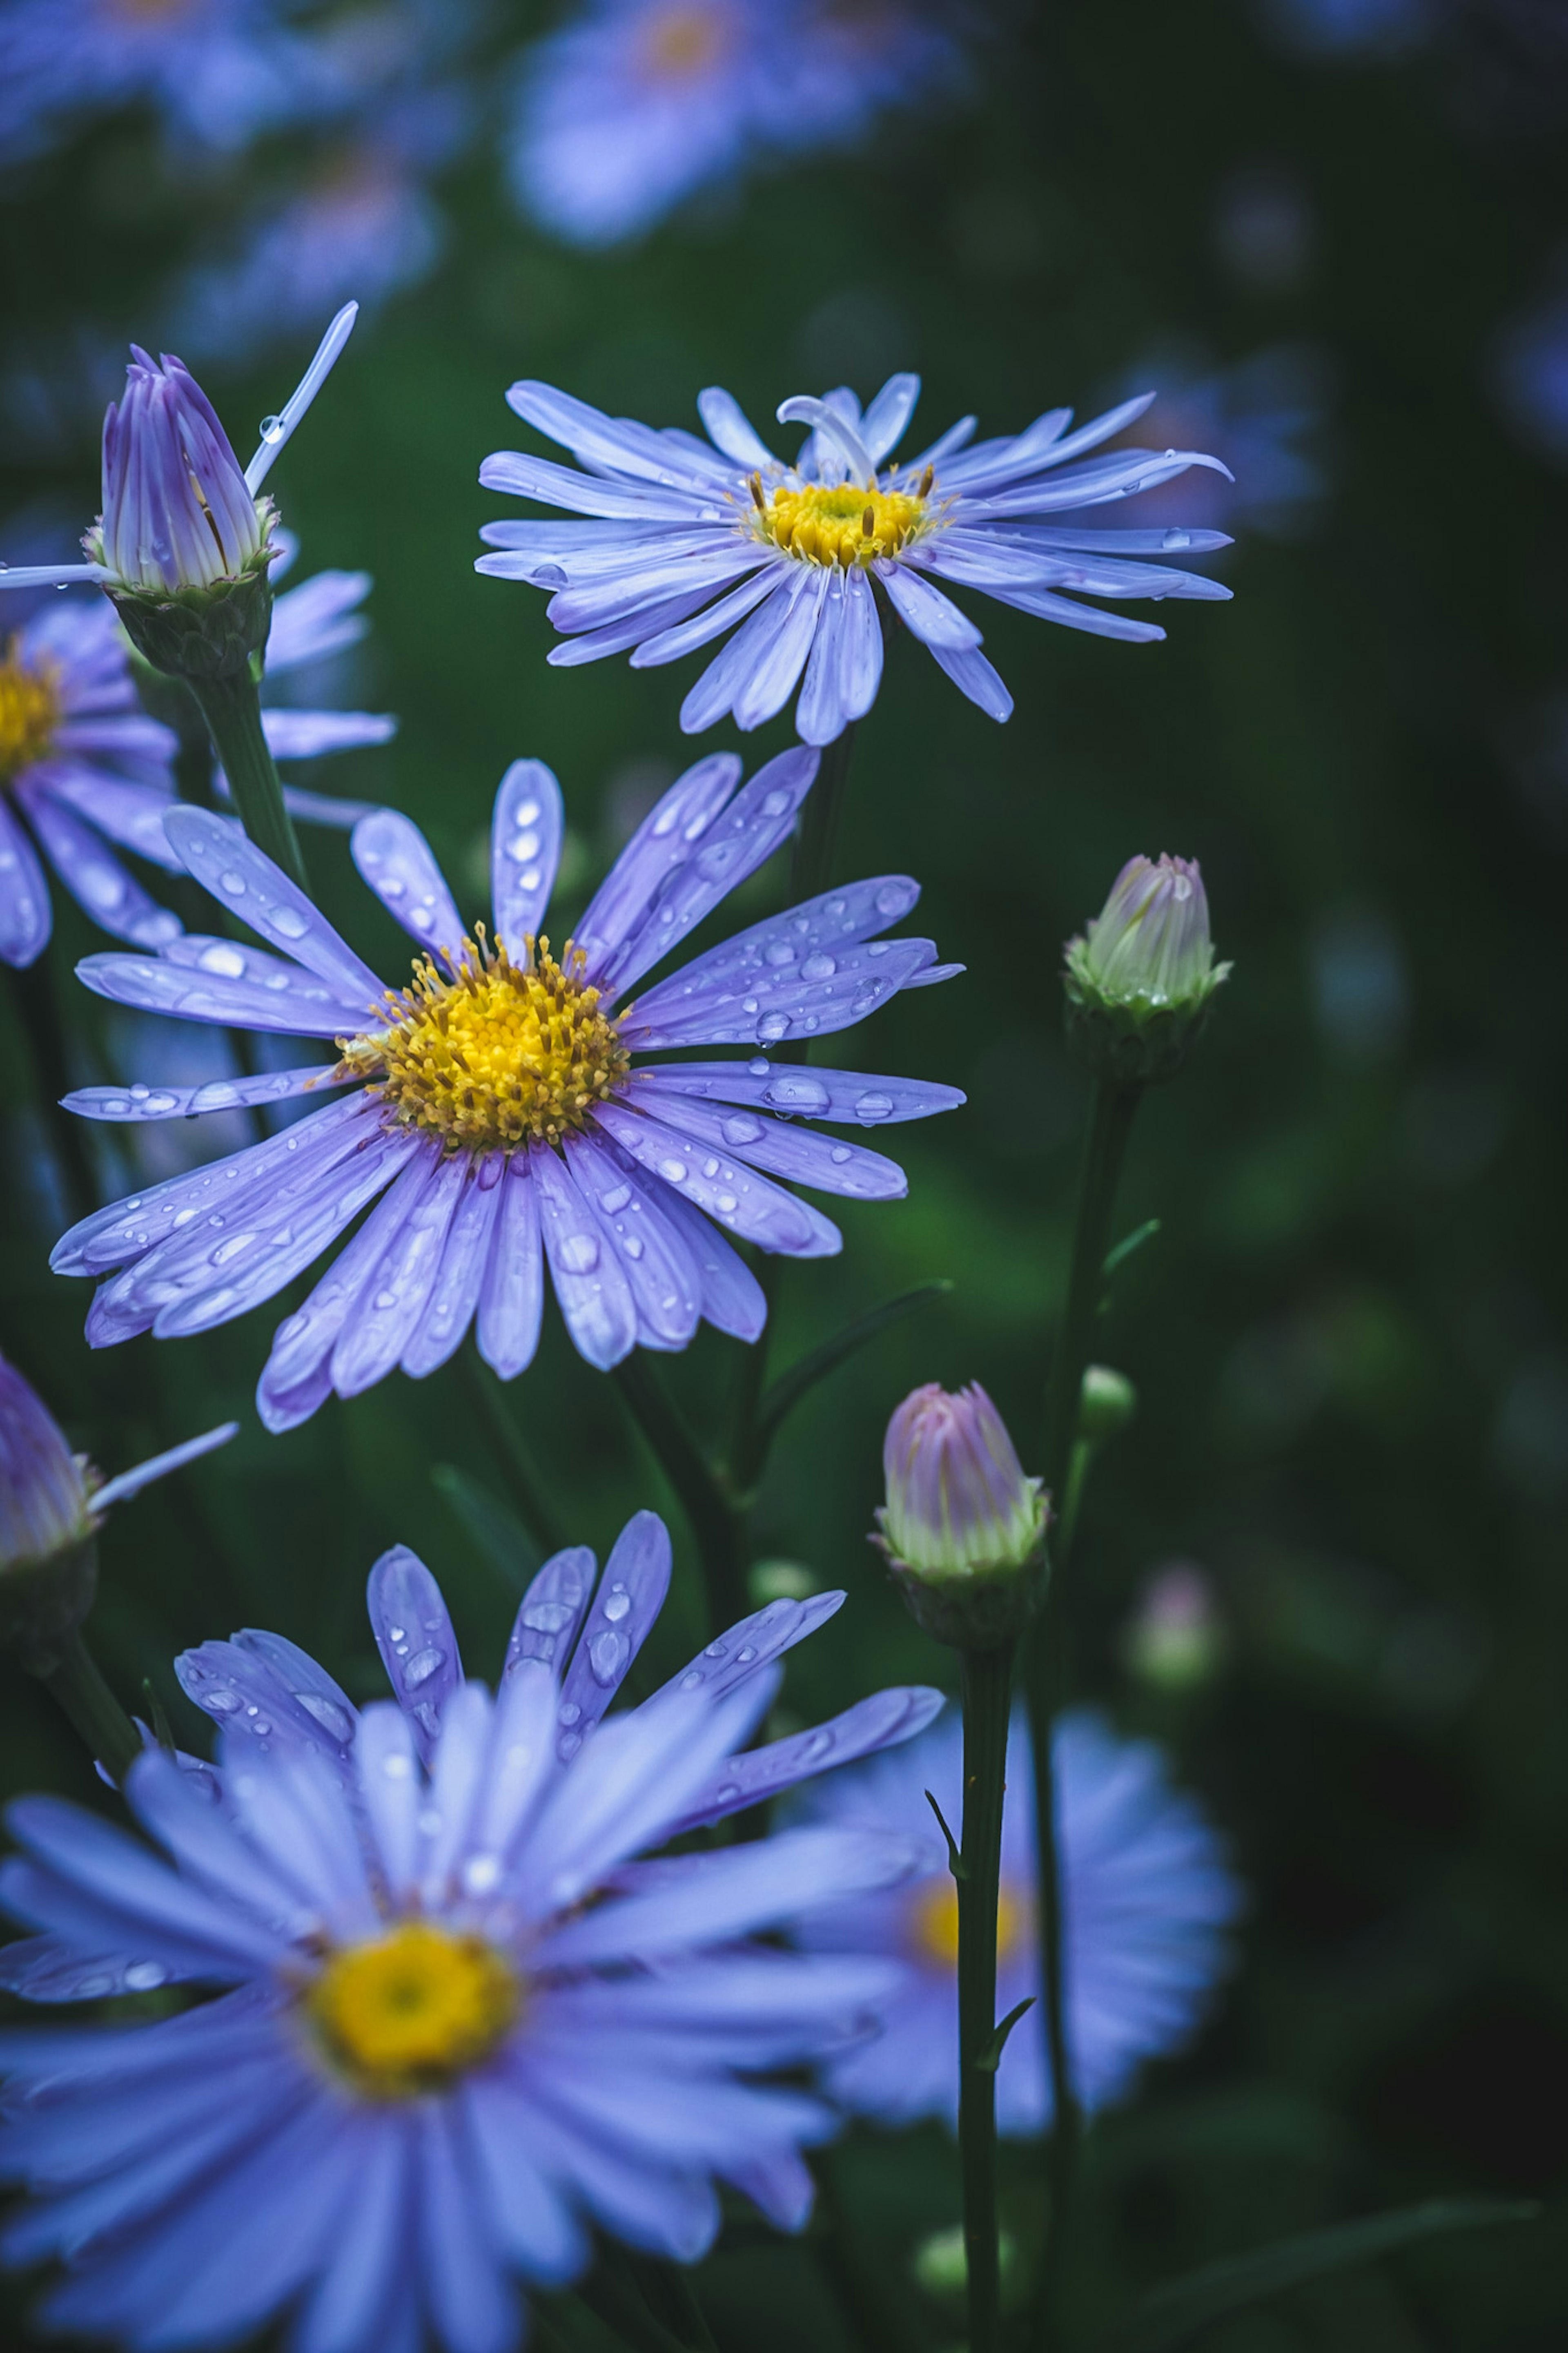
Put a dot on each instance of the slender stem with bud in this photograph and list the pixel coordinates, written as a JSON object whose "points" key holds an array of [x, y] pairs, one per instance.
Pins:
{"points": [[232, 709], [79, 1690], [1113, 1109], [986, 1678]]}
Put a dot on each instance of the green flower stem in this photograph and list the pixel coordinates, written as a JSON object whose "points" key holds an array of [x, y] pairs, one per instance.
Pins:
{"points": [[39, 1011], [517, 1466], [232, 709], [1111, 1113], [719, 1529], [816, 836], [985, 1682], [77, 1688]]}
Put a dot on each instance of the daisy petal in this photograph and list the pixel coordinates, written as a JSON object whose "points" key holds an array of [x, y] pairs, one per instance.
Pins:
{"points": [[413, 1630], [511, 1294], [594, 1294], [551, 1612], [663, 842], [398, 863], [243, 878], [525, 849], [630, 1597], [737, 1197]]}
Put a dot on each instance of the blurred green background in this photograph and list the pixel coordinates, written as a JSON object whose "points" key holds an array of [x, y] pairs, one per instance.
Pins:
{"points": [[1350, 1338]]}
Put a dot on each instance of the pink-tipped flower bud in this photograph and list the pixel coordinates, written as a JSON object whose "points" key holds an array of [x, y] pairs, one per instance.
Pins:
{"points": [[52, 1503], [1140, 978], [963, 1528]]}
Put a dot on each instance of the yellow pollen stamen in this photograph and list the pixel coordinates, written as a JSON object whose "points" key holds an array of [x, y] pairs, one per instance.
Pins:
{"points": [[846, 525], [29, 711], [494, 1054], [410, 2011], [933, 1922]]}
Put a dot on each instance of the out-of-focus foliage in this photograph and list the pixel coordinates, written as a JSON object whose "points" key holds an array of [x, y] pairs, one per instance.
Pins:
{"points": [[1349, 1337]]}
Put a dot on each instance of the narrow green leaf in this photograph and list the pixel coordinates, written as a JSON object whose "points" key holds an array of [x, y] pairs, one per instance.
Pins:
{"points": [[786, 1392], [1172, 2316], [1130, 1242], [496, 1533], [955, 1857], [990, 2058]]}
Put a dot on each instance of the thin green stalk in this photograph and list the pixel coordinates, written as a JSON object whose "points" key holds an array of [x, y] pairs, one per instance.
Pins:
{"points": [[515, 1463], [39, 1012], [1111, 1113], [719, 1533], [232, 709], [816, 836], [79, 1689], [986, 1683], [746, 1449]]}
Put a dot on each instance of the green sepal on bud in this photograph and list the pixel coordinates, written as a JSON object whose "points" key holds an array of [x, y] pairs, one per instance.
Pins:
{"points": [[211, 631], [1141, 978], [962, 1530]]}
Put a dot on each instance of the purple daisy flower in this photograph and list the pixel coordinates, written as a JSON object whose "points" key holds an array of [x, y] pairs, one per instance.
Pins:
{"points": [[635, 104], [693, 537], [218, 72], [84, 773], [1148, 1898], [451, 2019], [502, 1102]]}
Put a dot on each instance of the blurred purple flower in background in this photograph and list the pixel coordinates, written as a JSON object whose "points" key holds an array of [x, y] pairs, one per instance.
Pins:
{"points": [[505, 1114], [1530, 376], [1263, 416], [1147, 1896], [453, 2022], [635, 104], [1341, 28], [693, 537], [217, 72]]}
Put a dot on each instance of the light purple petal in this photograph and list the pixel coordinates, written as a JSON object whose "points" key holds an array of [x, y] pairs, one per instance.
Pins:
{"points": [[781, 944], [734, 843], [367, 2266], [141, 1102], [1045, 606], [934, 619], [525, 849], [25, 913], [665, 1283], [455, 1295], [317, 618], [630, 1597], [413, 1630], [594, 1294], [511, 1296], [562, 486], [293, 1004], [387, 1313], [619, 444], [94, 875], [661, 843], [973, 676], [551, 1610], [796, 1154], [527, 2213], [668, 2213], [398, 863], [731, 430], [646, 587], [747, 1648], [241, 878], [386, 1762], [618, 637], [119, 1875], [752, 646], [471, 2300], [158, 1466], [683, 636], [826, 991], [55, 1968], [131, 815], [800, 1092], [873, 1723], [313, 734], [733, 1300], [736, 1196]]}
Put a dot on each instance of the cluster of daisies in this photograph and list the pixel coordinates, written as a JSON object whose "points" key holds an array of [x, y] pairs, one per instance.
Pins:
{"points": [[432, 2004]]}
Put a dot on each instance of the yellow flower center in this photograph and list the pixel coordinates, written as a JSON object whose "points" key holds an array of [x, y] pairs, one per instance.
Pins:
{"points": [[497, 1054], [680, 42], [933, 1922], [412, 2010], [844, 526], [29, 712]]}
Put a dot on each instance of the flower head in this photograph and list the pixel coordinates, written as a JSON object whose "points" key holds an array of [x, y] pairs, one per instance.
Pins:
{"points": [[1147, 1898], [810, 556], [502, 1102], [52, 1503], [1140, 977], [961, 1523], [638, 103], [439, 1983]]}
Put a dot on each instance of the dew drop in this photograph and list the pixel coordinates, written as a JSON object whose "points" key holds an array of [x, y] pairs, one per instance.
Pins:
{"points": [[778, 952], [289, 921], [328, 1715], [422, 1666], [579, 1253], [227, 962], [890, 903], [231, 882], [726, 1204], [775, 804], [692, 1680], [548, 1617], [673, 1171], [1174, 539], [741, 1128], [759, 1067], [709, 1169], [221, 1702], [772, 1027], [820, 967], [397, 1767], [481, 1874], [570, 1712], [618, 1604], [871, 1107], [142, 1976], [840, 1154], [384, 1300], [271, 430], [615, 1199], [633, 1246], [570, 1744], [797, 1093], [396, 1634], [607, 1653]]}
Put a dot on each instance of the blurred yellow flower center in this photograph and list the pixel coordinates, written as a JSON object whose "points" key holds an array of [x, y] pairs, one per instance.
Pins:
{"points": [[29, 712], [407, 2013], [844, 526], [933, 1922], [497, 1054], [680, 42]]}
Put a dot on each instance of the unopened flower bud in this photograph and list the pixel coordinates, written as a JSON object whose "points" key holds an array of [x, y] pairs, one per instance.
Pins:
{"points": [[1106, 1404], [52, 1503], [962, 1528], [1140, 978]]}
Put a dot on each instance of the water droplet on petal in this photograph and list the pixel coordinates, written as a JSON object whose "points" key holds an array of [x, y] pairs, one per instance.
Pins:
{"points": [[271, 430], [142, 1976], [422, 1666], [870, 1107], [548, 1617], [579, 1253], [740, 1128], [570, 1712], [673, 1171], [615, 1199], [1174, 539], [607, 1652], [289, 921], [890, 901], [328, 1715], [618, 1604], [820, 967]]}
